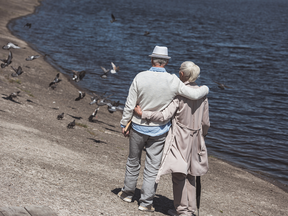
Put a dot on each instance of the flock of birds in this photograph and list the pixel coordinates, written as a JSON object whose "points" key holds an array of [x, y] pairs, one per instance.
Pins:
{"points": [[77, 76]]}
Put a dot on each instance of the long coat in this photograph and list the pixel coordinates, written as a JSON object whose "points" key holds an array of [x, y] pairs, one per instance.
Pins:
{"points": [[185, 150]]}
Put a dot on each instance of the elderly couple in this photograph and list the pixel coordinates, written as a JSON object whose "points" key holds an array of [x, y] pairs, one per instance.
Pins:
{"points": [[170, 118]]}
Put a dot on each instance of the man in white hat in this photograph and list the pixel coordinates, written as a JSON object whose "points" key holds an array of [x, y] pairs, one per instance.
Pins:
{"points": [[153, 90]]}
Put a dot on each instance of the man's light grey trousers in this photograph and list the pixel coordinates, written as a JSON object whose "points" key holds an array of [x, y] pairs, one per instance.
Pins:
{"points": [[154, 149]]}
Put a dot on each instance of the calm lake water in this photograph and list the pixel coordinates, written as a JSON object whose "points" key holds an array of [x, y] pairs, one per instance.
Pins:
{"points": [[243, 44]]}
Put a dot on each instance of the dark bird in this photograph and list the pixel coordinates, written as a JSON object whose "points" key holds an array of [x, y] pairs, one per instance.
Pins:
{"points": [[114, 107], [60, 116], [221, 86], [28, 25], [56, 80], [113, 18], [7, 61], [81, 96], [71, 124], [18, 71], [114, 68], [93, 114], [77, 76], [146, 33], [13, 95], [105, 72], [30, 58], [10, 45]]}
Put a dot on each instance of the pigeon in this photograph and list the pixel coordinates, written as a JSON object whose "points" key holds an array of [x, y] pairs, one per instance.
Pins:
{"points": [[113, 18], [101, 101], [60, 116], [30, 58], [81, 96], [18, 71], [7, 61], [95, 98], [77, 76], [71, 124], [114, 68], [146, 33], [105, 72], [114, 107], [13, 95], [221, 86], [28, 25], [10, 45], [93, 114], [56, 80]]}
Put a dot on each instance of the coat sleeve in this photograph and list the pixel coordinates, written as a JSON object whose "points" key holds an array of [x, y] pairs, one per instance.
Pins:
{"points": [[164, 115], [130, 104], [205, 119]]}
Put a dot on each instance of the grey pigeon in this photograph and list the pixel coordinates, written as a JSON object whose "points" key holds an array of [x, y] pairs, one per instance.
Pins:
{"points": [[18, 71], [60, 116], [13, 95], [7, 61], [221, 86], [105, 72], [81, 96], [10, 45], [113, 18], [114, 68], [30, 58], [114, 107], [93, 114], [77, 76], [56, 80], [71, 124]]}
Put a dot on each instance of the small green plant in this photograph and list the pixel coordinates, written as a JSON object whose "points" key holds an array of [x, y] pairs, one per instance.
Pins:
{"points": [[91, 132], [81, 125]]}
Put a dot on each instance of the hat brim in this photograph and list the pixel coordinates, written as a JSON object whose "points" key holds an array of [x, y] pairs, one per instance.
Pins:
{"points": [[160, 56]]}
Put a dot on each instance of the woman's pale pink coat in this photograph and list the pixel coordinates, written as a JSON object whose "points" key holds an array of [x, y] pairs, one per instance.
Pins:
{"points": [[185, 150]]}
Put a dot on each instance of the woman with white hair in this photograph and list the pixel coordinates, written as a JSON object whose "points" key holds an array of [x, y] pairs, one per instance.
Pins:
{"points": [[185, 154]]}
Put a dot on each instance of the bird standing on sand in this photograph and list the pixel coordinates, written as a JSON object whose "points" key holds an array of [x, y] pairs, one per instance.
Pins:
{"points": [[105, 72], [30, 58], [71, 124], [56, 80], [77, 76], [93, 114], [60, 116], [18, 71], [113, 18], [10, 45], [13, 95], [81, 96], [114, 68], [221, 86], [7, 61]]}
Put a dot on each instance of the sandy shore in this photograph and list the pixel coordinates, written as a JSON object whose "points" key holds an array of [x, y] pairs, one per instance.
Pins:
{"points": [[79, 171]]}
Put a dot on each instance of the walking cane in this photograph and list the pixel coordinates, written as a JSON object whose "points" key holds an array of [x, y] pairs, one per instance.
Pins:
{"points": [[198, 192]]}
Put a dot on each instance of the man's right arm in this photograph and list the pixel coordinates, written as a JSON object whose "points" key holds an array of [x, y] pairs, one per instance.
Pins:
{"points": [[130, 104]]}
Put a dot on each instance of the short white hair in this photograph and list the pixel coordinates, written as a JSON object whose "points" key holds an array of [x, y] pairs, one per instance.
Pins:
{"points": [[191, 71], [159, 61]]}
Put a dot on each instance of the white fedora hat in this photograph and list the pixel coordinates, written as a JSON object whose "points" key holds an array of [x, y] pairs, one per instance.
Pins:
{"points": [[160, 52]]}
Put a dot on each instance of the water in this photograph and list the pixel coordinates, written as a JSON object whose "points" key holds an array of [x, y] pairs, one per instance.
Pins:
{"points": [[243, 44]]}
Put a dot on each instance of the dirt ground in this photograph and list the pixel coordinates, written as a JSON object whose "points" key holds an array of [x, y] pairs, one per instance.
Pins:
{"points": [[79, 171]]}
